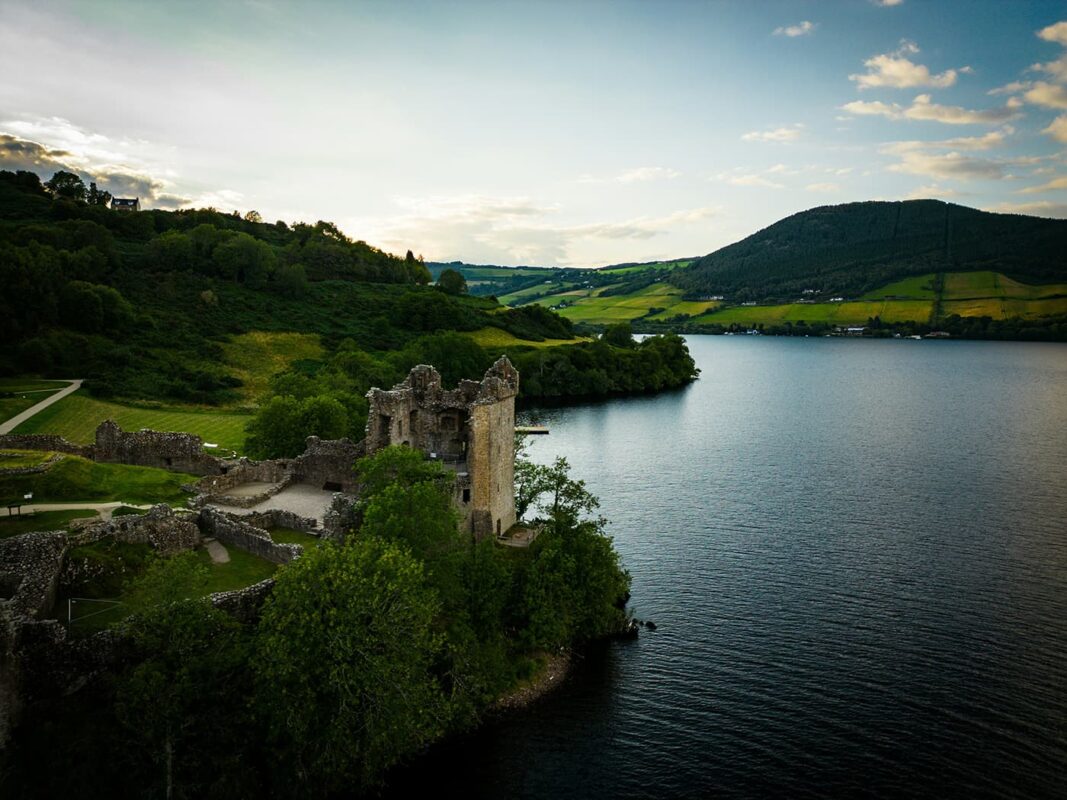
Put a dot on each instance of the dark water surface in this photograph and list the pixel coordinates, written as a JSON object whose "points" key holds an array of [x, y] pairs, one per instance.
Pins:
{"points": [[856, 556]]}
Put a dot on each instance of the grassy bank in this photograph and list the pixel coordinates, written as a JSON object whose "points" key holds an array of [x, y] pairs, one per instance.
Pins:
{"points": [[75, 479]]}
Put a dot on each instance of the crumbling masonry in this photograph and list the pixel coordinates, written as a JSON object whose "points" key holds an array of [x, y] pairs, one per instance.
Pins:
{"points": [[469, 429]]}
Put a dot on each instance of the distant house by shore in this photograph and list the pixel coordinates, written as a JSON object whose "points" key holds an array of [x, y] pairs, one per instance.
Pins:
{"points": [[126, 204]]}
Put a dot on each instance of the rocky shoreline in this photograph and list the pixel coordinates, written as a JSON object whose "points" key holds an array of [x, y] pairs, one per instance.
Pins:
{"points": [[551, 676]]}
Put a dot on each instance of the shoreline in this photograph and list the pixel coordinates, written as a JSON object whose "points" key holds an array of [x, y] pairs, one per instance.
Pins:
{"points": [[549, 678]]}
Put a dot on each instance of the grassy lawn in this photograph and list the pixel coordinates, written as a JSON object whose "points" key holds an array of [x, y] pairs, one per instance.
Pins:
{"points": [[41, 521], [257, 356], [243, 569], [497, 338], [31, 385], [76, 479], [291, 536], [850, 313], [77, 416], [920, 287], [117, 563], [23, 458], [591, 306]]}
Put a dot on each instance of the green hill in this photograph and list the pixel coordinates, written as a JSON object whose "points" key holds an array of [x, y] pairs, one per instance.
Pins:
{"points": [[855, 248]]}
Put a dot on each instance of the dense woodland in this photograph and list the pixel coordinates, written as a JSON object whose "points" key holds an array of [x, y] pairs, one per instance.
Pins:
{"points": [[139, 303], [365, 652], [857, 247]]}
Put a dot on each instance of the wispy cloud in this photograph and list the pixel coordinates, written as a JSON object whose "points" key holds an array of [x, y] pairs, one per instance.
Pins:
{"points": [[1056, 184], [635, 175], [1057, 129], [1039, 208], [825, 188], [1056, 32], [788, 133], [508, 230], [1049, 95], [895, 70], [804, 28], [931, 191], [887, 3], [923, 108], [754, 180]]}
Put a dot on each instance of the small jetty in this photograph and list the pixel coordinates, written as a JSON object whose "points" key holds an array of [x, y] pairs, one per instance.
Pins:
{"points": [[533, 430]]}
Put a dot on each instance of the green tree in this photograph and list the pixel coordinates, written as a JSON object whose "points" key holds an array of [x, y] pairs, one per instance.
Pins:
{"points": [[344, 651], [180, 700], [621, 334], [397, 465], [452, 282], [291, 280], [97, 197], [66, 185]]}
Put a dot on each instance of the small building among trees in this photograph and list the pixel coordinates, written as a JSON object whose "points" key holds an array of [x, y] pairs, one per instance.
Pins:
{"points": [[126, 204]]}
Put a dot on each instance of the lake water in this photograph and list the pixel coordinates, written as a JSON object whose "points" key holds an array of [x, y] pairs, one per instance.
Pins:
{"points": [[856, 556]]}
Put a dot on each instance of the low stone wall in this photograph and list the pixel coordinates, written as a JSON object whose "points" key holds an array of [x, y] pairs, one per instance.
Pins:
{"points": [[183, 452], [30, 565], [276, 518], [244, 471], [44, 466], [244, 605], [233, 531], [345, 514], [328, 463], [164, 529], [43, 441]]}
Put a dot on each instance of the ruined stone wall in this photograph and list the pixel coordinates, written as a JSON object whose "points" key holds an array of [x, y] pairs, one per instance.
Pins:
{"points": [[29, 572], [41, 441], [183, 452], [471, 428], [233, 531], [244, 605], [244, 471], [44, 466], [328, 463], [345, 514], [276, 518], [492, 468], [161, 527]]}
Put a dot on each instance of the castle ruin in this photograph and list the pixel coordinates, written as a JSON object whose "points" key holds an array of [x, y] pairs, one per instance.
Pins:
{"points": [[470, 430]]}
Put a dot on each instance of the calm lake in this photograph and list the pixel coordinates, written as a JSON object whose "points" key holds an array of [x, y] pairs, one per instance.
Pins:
{"points": [[856, 556]]}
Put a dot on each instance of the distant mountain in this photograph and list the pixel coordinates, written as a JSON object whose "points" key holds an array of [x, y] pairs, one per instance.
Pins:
{"points": [[857, 247]]}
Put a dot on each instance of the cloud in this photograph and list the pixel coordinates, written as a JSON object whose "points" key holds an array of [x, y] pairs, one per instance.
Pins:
{"points": [[1048, 95], [894, 70], [932, 190], [1056, 32], [922, 108], [642, 174], [887, 3], [1056, 184], [753, 180], [948, 165], [507, 230], [636, 175], [1011, 88], [1057, 129], [1040, 208], [823, 187], [987, 141], [804, 28], [781, 135]]}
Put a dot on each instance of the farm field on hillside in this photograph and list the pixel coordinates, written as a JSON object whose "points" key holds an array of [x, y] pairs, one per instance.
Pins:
{"points": [[918, 288], [257, 356], [593, 307], [495, 338], [853, 313], [76, 417]]}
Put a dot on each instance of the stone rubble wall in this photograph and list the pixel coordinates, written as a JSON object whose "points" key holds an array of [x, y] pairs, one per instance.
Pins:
{"points": [[161, 527], [277, 518], [244, 605], [233, 531], [344, 514], [30, 565], [43, 441], [44, 466], [329, 461], [182, 452]]}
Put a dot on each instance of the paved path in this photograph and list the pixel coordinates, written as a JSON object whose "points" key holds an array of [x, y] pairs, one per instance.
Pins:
{"points": [[218, 553], [103, 509], [18, 419]]}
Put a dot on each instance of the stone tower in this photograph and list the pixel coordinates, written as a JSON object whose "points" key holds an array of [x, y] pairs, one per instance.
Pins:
{"points": [[469, 429]]}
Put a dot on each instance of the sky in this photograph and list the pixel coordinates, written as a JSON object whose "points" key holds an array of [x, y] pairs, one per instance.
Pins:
{"points": [[572, 133]]}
